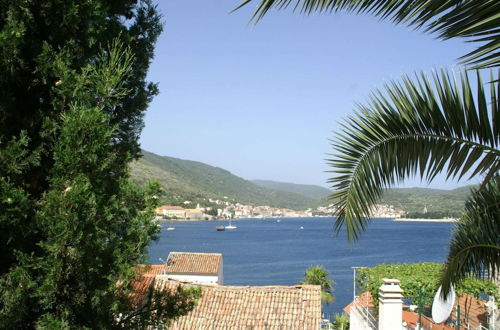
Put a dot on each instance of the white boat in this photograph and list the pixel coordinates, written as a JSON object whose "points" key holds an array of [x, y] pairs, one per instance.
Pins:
{"points": [[230, 225], [171, 227]]}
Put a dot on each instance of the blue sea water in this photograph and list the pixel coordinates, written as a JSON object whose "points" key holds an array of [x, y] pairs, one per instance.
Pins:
{"points": [[267, 252]]}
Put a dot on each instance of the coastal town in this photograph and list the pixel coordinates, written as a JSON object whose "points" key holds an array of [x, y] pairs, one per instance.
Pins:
{"points": [[227, 210]]}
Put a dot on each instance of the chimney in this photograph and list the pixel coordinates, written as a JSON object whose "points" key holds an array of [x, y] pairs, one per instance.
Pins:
{"points": [[390, 305]]}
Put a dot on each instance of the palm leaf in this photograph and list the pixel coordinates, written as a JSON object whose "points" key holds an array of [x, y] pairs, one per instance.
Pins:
{"points": [[477, 21], [420, 127], [475, 245]]}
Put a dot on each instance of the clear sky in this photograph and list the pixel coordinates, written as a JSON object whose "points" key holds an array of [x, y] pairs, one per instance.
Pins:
{"points": [[263, 101]]}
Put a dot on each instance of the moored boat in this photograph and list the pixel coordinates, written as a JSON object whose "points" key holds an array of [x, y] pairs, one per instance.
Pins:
{"points": [[220, 228]]}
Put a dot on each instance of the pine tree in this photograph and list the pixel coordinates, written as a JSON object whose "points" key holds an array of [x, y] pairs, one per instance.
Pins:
{"points": [[72, 226]]}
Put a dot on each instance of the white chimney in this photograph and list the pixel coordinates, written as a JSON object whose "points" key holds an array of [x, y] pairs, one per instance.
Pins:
{"points": [[390, 305]]}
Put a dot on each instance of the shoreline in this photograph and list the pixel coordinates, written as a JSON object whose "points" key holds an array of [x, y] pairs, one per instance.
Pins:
{"points": [[424, 220]]}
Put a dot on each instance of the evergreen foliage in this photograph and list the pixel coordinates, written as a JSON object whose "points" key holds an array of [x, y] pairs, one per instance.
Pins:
{"points": [[72, 226]]}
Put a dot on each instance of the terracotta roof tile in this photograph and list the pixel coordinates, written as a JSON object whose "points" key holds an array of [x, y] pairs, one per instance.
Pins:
{"points": [[146, 277], [251, 307], [193, 263]]}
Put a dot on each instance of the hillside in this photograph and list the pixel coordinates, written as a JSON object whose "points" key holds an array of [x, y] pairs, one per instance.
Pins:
{"points": [[195, 181], [435, 200], [185, 179], [414, 200], [309, 190]]}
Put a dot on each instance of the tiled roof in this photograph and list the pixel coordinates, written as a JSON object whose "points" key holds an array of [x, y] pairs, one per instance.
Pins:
{"points": [[193, 263], [474, 309], [251, 307], [151, 270], [146, 277], [364, 300]]}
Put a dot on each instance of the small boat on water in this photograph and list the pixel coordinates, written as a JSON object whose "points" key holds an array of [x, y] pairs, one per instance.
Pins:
{"points": [[220, 228], [230, 225], [171, 227], [278, 220]]}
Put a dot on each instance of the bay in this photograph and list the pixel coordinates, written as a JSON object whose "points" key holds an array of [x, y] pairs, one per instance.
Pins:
{"points": [[268, 252]]}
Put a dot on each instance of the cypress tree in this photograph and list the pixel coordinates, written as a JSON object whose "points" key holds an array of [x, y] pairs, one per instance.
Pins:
{"points": [[72, 98]]}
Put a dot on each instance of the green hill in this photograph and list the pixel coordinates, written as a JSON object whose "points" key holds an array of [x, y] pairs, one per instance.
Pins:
{"points": [[195, 181], [413, 200], [311, 191]]}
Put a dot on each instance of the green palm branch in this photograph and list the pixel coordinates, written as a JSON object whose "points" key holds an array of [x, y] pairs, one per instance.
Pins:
{"points": [[477, 21], [475, 245], [317, 275], [422, 126]]}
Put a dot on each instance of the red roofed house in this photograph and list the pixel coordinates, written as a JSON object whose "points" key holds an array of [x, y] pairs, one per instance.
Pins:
{"points": [[204, 268], [171, 211]]}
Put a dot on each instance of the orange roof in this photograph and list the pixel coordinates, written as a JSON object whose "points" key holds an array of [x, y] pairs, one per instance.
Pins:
{"points": [[146, 277], [193, 263], [151, 270], [168, 207], [251, 307], [364, 300], [473, 309]]}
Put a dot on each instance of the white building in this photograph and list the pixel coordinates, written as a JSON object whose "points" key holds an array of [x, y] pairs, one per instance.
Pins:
{"points": [[203, 268]]}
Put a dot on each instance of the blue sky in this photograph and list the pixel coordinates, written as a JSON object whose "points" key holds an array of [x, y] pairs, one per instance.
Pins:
{"points": [[263, 101]]}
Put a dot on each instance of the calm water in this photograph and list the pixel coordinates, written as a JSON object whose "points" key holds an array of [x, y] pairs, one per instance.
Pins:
{"points": [[265, 252]]}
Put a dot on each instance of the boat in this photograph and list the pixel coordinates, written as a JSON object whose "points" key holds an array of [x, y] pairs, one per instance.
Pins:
{"points": [[171, 227], [220, 228], [230, 225], [278, 220]]}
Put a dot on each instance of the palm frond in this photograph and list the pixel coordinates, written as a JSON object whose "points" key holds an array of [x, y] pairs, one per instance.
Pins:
{"points": [[478, 21], [475, 245], [416, 127]]}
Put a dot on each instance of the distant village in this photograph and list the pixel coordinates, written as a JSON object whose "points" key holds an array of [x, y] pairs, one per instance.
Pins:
{"points": [[229, 210]]}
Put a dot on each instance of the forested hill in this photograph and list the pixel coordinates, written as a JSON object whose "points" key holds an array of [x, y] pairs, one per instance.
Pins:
{"points": [[414, 200], [195, 181], [190, 180], [312, 191]]}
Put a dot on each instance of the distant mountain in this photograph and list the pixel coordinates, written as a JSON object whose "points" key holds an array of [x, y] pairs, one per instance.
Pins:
{"points": [[415, 200], [311, 191], [434, 200], [191, 180]]}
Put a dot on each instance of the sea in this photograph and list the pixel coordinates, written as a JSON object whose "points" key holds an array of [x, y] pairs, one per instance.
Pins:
{"points": [[277, 251]]}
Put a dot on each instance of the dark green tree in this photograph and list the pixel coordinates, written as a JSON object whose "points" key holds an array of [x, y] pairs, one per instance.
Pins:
{"points": [[72, 226]]}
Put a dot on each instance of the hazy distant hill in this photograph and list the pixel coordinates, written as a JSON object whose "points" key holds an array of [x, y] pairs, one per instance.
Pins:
{"points": [[416, 199], [311, 191], [190, 179], [435, 200]]}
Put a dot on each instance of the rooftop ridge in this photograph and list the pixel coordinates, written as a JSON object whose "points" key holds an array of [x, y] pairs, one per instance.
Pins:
{"points": [[240, 287]]}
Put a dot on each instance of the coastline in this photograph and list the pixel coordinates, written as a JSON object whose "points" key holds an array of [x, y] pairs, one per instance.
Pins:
{"points": [[424, 220]]}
